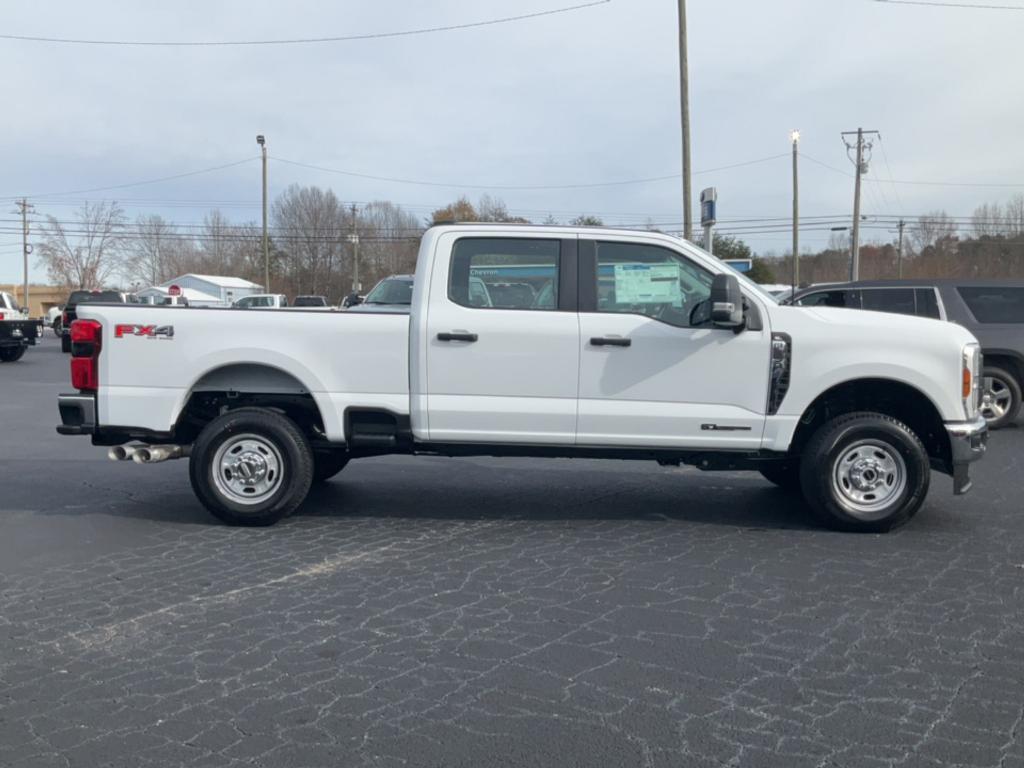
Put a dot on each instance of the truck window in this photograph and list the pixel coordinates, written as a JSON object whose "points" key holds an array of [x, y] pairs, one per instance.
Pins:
{"points": [[649, 280], [995, 304], [928, 303], [845, 299], [505, 273], [899, 301]]}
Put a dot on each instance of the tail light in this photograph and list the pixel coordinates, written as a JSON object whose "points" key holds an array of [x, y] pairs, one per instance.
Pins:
{"points": [[1, 315], [86, 342]]}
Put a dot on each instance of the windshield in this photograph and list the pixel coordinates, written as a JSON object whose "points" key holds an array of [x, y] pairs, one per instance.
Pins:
{"points": [[391, 291], [87, 297], [310, 301]]}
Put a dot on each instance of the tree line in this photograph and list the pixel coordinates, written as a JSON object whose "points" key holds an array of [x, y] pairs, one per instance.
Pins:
{"points": [[312, 243]]}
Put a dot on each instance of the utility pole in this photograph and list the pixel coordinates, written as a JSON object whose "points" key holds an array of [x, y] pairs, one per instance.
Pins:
{"points": [[354, 239], [261, 140], [684, 108], [899, 251], [24, 207], [861, 167], [795, 136]]}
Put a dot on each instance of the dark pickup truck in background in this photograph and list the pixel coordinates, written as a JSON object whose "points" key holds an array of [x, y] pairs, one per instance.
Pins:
{"points": [[70, 313], [993, 310]]}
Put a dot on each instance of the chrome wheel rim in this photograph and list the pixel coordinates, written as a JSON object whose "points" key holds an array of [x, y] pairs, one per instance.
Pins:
{"points": [[867, 477], [247, 469], [996, 398]]}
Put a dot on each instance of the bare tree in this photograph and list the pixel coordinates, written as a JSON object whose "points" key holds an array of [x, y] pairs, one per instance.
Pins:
{"points": [[151, 250], [311, 229], [389, 240], [88, 253]]}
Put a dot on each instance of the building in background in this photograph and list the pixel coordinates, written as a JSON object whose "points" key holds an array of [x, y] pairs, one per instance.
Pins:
{"points": [[225, 290], [158, 293]]}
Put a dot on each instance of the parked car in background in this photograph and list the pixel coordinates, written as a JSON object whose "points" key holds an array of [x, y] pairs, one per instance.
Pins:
{"points": [[392, 294], [17, 331], [262, 301], [53, 319], [9, 306], [70, 313], [173, 301], [993, 310], [310, 301]]}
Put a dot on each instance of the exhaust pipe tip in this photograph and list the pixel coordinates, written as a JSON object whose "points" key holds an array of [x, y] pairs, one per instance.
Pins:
{"points": [[142, 456], [121, 452]]}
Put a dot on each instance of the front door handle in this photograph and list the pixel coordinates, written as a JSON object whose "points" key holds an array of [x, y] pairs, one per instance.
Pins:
{"points": [[470, 337], [610, 341]]}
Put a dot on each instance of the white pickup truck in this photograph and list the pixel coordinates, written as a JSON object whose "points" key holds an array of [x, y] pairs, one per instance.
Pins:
{"points": [[622, 344]]}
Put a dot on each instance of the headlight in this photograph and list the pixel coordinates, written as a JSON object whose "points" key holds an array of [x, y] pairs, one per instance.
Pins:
{"points": [[970, 381]]}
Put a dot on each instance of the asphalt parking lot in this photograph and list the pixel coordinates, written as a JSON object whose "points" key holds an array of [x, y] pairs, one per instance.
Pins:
{"points": [[472, 612]]}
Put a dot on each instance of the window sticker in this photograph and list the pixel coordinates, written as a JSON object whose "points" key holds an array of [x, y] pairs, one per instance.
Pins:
{"points": [[647, 284]]}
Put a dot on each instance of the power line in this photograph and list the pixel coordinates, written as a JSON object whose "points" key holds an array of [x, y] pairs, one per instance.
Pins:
{"points": [[519, 187], [135, 183], [916, 182], [954, 5], [304, 40]]}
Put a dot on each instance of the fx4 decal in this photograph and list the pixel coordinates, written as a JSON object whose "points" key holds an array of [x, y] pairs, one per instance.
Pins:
{"points": [[147, 331]]}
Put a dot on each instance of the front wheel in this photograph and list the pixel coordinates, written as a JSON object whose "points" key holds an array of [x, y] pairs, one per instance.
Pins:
{"points": [[251, 466], [1000, 397], [865, 472]]}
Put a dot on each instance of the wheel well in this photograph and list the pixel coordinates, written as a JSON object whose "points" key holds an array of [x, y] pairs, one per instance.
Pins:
{"points": [[247, 385], [893, 398], [1008, 363]]}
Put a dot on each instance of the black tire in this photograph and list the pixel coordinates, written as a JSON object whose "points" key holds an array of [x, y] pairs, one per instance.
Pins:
{"points": [[865, 448], [785, 474], [65, 344], [1004, 390], [11, 354], [58, 329], [262, 436], [326, 464]]}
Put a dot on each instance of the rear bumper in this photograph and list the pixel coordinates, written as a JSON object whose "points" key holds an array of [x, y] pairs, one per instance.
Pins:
{"points": [[77, 414], [967, 443]]}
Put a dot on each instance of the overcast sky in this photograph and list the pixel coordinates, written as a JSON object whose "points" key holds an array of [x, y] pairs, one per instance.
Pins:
{"points": [[575, 98]]}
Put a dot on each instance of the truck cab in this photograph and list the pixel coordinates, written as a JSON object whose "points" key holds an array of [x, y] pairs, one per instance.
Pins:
{"points": [[596, 343]]}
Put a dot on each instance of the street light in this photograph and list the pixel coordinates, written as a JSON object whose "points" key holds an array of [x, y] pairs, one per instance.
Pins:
{"points": [[794, 135], [262, 141]]}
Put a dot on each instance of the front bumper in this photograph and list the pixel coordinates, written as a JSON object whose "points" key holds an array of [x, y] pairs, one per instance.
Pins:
{"points": [[77, 414], [967, 444]]}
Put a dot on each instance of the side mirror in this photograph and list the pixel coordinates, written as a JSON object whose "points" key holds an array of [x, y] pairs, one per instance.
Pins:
{"points": [[726, 302]]}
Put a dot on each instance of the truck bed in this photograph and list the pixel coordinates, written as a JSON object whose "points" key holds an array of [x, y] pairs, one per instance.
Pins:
{"points": [[153, 358], [16, 331]]}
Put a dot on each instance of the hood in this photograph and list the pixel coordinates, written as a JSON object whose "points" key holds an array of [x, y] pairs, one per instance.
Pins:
{"points": [[890, 326]]}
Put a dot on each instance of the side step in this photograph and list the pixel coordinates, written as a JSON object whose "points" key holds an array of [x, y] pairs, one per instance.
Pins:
{"points": [[376, 430]]}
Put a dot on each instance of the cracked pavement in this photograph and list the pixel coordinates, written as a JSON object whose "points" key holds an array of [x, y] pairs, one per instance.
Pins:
{"points": [[479, 612]]}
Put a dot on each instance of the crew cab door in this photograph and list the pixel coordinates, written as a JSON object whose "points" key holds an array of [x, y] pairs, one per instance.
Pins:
{"points": [[502, 340], [648, 375]]}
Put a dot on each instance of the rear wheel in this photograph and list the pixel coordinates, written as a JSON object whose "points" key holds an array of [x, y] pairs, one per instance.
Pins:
{"points": [[251, 467], [11, 354], [865, 472], [1001, 397], [327, 464]]}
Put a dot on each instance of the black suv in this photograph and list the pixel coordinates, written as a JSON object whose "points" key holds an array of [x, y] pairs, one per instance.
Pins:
{"points": [[993, 310], [70, 313]]}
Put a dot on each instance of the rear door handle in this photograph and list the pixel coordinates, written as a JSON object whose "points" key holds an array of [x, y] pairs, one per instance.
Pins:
{"points": [[610, 341], [470, 337]]}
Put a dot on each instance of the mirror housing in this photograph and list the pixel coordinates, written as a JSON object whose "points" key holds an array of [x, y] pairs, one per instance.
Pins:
{"points": [[727, 302]]}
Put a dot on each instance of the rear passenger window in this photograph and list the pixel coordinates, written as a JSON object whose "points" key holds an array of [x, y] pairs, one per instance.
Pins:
{"points": [[899, 301], [927, 303], [995, 304], [504, 273], [845, 299]]}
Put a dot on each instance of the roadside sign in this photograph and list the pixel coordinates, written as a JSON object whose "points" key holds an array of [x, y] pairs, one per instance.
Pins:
{"points": [[708, 206]]}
